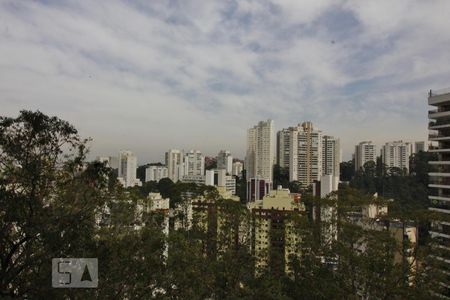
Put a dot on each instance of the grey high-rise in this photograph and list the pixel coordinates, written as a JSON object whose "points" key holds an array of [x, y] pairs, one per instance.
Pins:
{"points": [[439, 192]]}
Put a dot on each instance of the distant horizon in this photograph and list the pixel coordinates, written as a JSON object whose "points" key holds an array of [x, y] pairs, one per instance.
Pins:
{"points": [[148, 76], [242, 158]]}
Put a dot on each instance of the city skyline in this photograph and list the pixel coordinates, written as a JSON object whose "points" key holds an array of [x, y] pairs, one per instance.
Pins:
{"points": [[165, 76]]}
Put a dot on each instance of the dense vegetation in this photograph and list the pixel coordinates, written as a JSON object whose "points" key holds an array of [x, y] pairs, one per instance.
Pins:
{"points": [[50, 200], [409, 191]]}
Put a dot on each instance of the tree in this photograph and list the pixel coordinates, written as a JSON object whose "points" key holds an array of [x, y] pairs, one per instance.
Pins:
{"points": [[41, 161], [51, 204], [140, 173], [280, 176], [165, 186], [241, 187], [347, 170]]}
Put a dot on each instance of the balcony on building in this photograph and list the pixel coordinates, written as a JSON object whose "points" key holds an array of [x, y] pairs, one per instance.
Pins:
{"points": [[439, 97], [438, 174], [442, 201], [441, 210], [437, 202], [439, 182], [441, 112], [438, 136], [440, 123], [439, 168], [441, 165], [440, 150], [443, 193]]}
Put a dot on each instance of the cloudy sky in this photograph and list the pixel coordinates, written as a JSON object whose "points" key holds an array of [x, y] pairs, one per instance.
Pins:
{"points": [[152, 75]]}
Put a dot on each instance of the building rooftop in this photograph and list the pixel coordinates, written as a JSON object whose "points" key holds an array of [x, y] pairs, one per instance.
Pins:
{"points": [[439, 92]]}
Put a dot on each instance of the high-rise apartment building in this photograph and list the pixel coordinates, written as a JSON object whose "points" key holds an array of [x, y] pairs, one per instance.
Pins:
{"points": [[396, 155], [220, 178], [439, 192], [194, 163], [260, 151], [127, 169], [331, 156], [364, 152], [156, 173], [174, 164], [283, 147], [305, 161], [225, 161], [274, 240], [308, 154]]}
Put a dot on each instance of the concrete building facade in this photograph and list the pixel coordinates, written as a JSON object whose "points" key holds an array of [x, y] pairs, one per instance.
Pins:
{"points": [[305, 164], [274, 238], [127, 169], [194, 163], [364, 152], [308, 154], [283, 147], [396, 155], [225, 161], [156, 173], [331, 156], [260, 151], [174, 164], [439, 186], [219, 178]]}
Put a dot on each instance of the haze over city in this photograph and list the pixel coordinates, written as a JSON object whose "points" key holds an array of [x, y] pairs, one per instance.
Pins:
{"points": [[149, 76]]}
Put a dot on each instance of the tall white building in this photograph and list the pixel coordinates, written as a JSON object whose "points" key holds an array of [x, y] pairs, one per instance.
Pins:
{"points": [[260, 151], [331, 156], [225, 161], [194, 163], [364, 152], [220, 178], [237, 169], [308, 154], [305, 160], [156, 173], [174, 164], [127, 169], [396, 155]]}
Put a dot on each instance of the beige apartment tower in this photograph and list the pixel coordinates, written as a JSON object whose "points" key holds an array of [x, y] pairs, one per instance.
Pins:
{"points": [[305, 162], [260, 151]]}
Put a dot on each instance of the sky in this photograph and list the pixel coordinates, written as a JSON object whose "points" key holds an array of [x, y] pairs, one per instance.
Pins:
{"points": [[148, 76]]}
